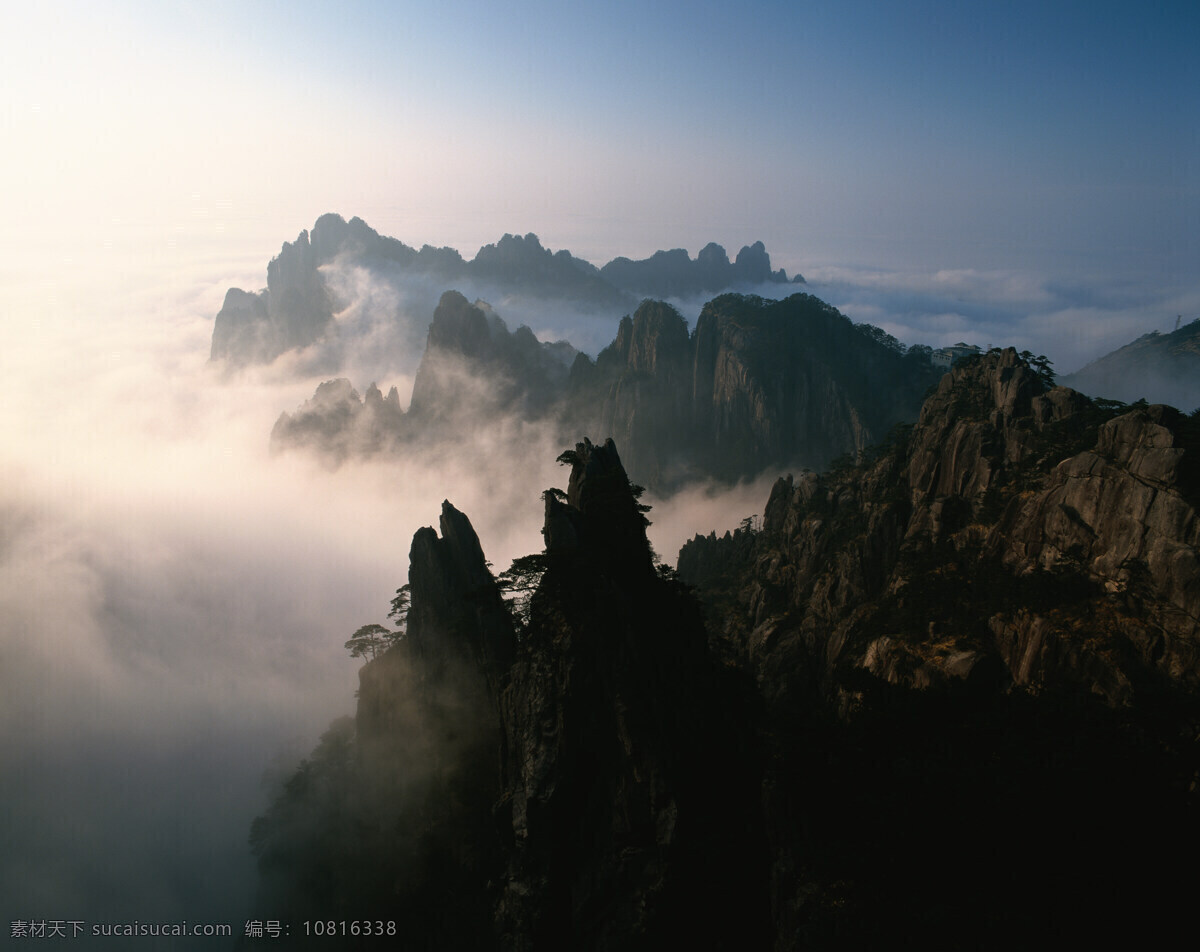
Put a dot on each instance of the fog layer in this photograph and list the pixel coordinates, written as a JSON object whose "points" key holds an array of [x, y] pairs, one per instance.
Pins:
{"points": [[174, 601]]}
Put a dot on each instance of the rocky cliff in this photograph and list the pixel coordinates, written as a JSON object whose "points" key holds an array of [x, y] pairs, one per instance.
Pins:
{"points": [[543, 791], [474, 371], [975, 632], [758, 384], [1010, 508], [294, 310], [945, 696]]}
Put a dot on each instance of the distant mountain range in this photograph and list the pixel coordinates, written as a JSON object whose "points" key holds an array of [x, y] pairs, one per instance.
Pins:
{"points": [[297, 307], [1159, 368], [757, 384]]}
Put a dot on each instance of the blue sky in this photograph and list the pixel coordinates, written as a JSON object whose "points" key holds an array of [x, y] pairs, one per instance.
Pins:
{"points": [[1056, 138]]}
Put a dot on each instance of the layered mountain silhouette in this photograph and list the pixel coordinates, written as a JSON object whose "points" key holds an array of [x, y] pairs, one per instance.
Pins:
{"points": [[297, 307], [1159, 368], [757, 384], [943, 696]]}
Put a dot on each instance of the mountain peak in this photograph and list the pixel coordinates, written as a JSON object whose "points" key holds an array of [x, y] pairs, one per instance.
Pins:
{"points": [[600, 520], [325, 271], [450, 582]]}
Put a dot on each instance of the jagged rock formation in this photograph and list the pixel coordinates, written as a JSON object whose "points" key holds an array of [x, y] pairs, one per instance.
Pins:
{"points": [[340, 424], [522, 264], [758, 384], [474, 371], [392, 815], [1160, 368], [978, 503], [294, 309], [1000, 606], [543, 792], [711, 560], [933, 700], [623, 835], [297, 307], [672, 274]]}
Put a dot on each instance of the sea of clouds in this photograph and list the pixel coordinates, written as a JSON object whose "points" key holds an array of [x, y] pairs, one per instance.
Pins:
{"points": [[175, 600]]}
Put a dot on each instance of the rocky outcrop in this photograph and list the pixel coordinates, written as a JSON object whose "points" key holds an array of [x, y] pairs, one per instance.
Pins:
{"points": [[391, 817], [1115, 515], [296, 309], [339, 425], [241, 332], [978, 506], [753, 264], [440, 684], [623, 832], [641, 391], [672, 274], [711, 560], [998, 605], [758, 384], [979, 432], [297, 303], [453, 589], [474, 372], [944, 722], [522, 263], [587, 785]]}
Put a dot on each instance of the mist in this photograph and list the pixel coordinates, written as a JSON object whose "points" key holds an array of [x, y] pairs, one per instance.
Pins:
{"points": [[382, 315], [175, 600], [1072, 320]]}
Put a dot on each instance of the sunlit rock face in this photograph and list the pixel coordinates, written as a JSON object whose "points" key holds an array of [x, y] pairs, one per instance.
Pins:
{"points": [[1004, 595], [1123, 515], [1071, 528]]}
